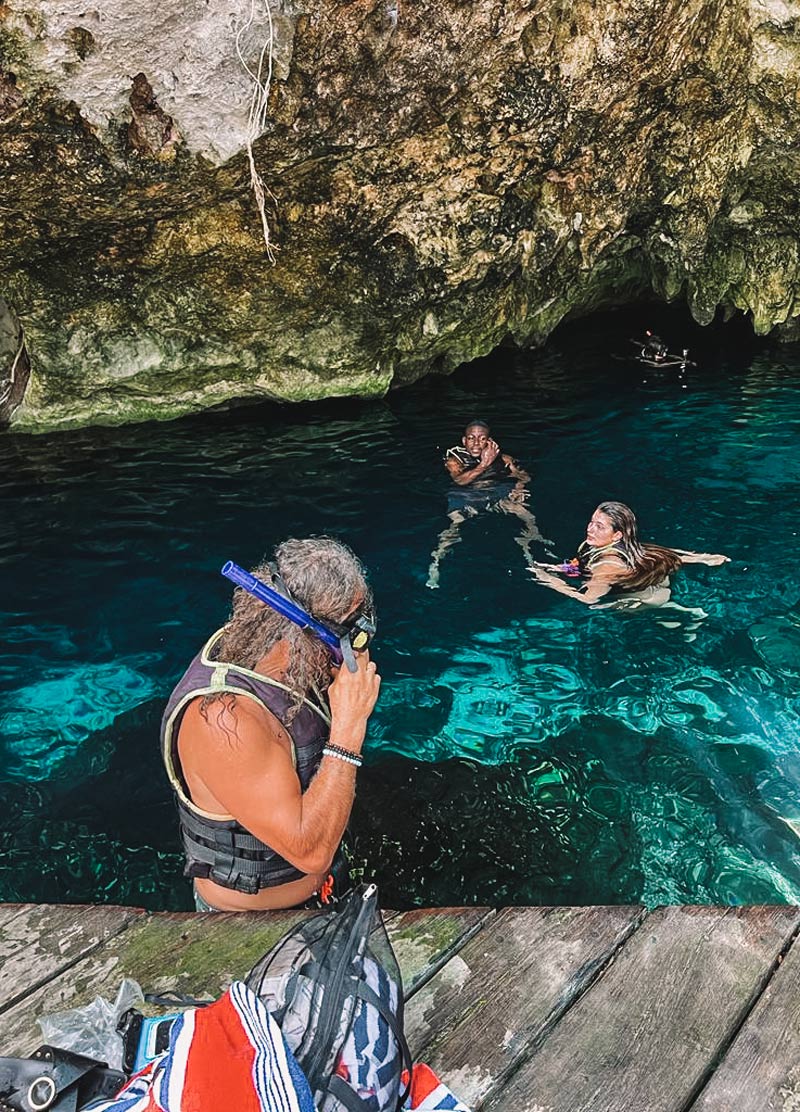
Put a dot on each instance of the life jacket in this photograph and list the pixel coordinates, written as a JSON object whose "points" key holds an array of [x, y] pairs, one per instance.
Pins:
{"points": [[498, 468], [218, 847], [590, 557]]}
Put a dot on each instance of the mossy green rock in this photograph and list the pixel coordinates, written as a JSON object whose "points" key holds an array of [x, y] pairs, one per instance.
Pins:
{"points": [[442, 177]]}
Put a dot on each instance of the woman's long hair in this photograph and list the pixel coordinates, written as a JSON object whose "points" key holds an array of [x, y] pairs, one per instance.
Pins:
{"points": [[325, 578], [651, 563]]}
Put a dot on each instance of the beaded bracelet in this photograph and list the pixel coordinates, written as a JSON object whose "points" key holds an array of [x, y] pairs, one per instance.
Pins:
{"points": [[343, 754], [342, 750]]}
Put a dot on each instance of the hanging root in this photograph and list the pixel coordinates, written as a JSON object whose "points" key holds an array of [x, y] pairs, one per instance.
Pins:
{"points": [[13, 374], [257, 117]]}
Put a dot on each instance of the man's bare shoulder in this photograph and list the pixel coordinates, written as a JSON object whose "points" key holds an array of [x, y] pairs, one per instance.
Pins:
{"points": [[231, 719]]}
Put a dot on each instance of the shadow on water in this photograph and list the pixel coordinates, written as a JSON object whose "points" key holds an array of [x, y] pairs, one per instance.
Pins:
{"points": [[525, 749]]}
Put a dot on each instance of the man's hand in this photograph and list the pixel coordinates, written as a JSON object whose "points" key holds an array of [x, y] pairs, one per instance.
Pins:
{"points": [[352, 697], [490, 453]]}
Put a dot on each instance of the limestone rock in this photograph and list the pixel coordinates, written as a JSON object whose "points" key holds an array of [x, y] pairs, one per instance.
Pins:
{"points": [[14, 364], [441, 178]]}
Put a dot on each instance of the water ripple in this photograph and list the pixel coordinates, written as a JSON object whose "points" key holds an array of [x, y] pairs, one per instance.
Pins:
{"points": [[525, 749]]}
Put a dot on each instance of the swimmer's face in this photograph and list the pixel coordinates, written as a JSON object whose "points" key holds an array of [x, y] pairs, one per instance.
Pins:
{"points": [[475, 439], [600, 530]]}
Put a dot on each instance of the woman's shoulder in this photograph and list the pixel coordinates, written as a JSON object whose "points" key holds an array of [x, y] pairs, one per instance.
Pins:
{"points": [[611, 562]]}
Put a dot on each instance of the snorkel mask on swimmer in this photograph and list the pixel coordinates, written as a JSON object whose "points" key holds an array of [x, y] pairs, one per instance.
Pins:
{"points": [[344, 639]]}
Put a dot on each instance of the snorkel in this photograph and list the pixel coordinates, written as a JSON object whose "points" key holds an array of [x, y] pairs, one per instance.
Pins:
{"points": [[357, 637]]}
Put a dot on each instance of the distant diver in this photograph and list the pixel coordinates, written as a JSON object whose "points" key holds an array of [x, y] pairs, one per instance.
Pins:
{"points": [[484, 478], [653, 352], [613, 561]]}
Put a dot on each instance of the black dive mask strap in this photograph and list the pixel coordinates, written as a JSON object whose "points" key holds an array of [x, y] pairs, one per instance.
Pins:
{"points": [[355, 637], [279, 584], [348, 656]]}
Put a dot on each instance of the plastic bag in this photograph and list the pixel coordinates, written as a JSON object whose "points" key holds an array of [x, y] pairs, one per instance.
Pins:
{"points": [[92, 1030]]}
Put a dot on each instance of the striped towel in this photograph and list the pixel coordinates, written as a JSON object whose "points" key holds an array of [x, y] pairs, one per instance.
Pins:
{"points": [[370, 1060], [428, 1093], [230, 1055]]}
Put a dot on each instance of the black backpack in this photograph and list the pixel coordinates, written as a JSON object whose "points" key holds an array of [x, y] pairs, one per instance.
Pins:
{"points": [[333, 985]]}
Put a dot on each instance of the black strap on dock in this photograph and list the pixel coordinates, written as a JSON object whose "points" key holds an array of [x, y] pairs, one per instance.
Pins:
{"points": [[55, 1080]]}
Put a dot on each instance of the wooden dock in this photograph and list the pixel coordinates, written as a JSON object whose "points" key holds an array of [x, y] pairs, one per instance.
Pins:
{"points": [[566, 1009]]}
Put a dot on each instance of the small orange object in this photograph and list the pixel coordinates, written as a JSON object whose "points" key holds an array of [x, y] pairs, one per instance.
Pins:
{"points": [[326, 889]]}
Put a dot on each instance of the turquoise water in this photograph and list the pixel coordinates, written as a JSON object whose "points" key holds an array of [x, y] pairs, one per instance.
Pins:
{"points": [[525, 748]]}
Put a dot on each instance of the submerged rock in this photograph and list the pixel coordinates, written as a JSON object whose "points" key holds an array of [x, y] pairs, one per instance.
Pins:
{"points": [[439, 179], [776, 639]]}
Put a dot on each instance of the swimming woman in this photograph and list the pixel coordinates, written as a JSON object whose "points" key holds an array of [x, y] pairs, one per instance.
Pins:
{"points": [[612, 559]]}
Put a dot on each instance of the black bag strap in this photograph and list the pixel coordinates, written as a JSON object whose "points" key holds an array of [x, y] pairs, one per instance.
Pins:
{"points": [[175, 1000], [370, 996], [338, 1087], [56, 1080], [361, 989]]}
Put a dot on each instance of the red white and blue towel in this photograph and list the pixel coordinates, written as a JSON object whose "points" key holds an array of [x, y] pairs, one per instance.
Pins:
{"points": [[232, 1055], [429, 1094]]}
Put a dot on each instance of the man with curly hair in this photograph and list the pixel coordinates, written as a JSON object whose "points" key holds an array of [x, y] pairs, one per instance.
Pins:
{"points": [[262, 739]]}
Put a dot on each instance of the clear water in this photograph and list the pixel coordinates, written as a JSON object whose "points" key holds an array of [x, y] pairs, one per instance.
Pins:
{"points": [[525, 748]]}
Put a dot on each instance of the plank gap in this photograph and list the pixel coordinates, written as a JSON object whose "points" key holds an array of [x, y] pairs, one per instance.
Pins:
{"points": [[747, 1011], [448, 953], [561, 1009]]}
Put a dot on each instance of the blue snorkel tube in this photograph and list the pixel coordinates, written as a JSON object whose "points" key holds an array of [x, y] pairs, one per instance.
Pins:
{"points": [[284, 606]]}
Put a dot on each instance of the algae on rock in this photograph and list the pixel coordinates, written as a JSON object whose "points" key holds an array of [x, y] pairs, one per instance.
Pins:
{"points": [[444, 178]]}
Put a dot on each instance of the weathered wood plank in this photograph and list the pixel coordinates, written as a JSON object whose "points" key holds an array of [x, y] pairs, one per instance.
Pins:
{"points": [[476, 1018], [424, 940], [8, 913], [37, 942], [643, 1038], [197, 955], [761, 1071]]}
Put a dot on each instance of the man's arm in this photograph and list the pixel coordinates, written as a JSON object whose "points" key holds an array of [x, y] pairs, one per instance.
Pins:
{"points": [[243, 755], [515, 471]]}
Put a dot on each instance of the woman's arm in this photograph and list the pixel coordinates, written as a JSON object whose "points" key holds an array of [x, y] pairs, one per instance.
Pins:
{"points": [[598, 585], [713, 559]]}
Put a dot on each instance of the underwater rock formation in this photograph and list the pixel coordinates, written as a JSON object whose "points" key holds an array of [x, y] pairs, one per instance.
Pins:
{"points": [[440, 178]]}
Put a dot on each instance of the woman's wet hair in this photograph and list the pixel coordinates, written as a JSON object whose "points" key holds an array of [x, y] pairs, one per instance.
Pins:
{"points": [[324, 577], [623, 519], [651, 563]]}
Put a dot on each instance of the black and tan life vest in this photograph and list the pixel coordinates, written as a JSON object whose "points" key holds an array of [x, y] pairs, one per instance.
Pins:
{"points": [[217, 846]]}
